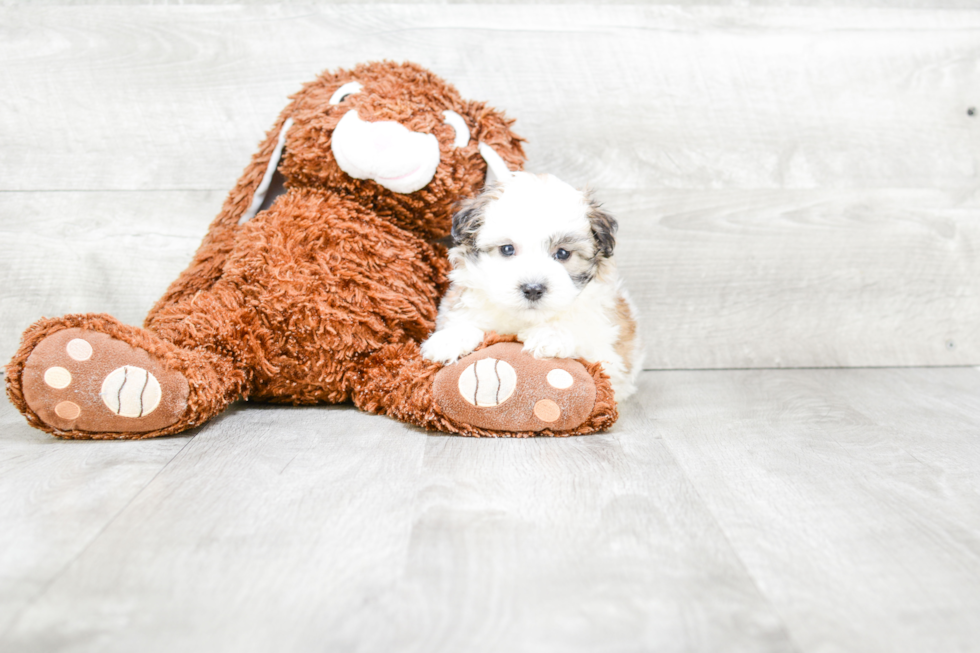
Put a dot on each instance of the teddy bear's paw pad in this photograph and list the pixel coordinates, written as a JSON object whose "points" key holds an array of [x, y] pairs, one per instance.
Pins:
{"points": [[83, 380], [503, 388]]}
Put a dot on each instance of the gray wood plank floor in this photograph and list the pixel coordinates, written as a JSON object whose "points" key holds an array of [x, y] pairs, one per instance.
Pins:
{"points": [[58, 498], [766, 510]]}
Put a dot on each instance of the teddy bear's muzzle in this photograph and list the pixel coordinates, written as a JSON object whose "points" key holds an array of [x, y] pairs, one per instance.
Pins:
{"points": [[387, 152]]}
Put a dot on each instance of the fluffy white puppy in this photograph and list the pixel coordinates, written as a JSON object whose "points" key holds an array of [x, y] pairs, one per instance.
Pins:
{"points": [[534, 257]]}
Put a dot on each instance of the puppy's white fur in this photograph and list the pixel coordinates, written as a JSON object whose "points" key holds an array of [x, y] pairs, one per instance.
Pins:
{"points": [[515, 236]]}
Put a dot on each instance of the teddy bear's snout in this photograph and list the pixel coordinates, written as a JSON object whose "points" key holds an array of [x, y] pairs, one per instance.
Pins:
{"points": [[386, 152]]}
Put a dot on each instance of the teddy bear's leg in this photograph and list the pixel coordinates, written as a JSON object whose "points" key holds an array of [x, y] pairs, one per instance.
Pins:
{"points": [[499, 390], [90, 376]]}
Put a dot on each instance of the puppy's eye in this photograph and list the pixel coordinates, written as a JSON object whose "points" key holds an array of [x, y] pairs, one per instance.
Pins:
{"points": [[347, 89], [507, 250], [562, 254]]}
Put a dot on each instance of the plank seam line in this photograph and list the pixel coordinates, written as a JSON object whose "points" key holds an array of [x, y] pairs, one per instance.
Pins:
{"points": [[813, 367], [25, 191], [964, 366], [731, 547], [47, 586]]}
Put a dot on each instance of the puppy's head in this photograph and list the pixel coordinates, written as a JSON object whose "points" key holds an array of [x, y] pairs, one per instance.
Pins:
{"points": [[531, 243]]}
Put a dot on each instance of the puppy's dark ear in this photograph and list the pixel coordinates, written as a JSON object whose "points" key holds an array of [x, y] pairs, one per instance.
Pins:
{"points": [[469, 217], [604, 226], [466, 224]]}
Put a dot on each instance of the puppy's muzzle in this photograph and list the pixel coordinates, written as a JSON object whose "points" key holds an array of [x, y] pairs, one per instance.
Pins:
{"points": [[533, 291]]}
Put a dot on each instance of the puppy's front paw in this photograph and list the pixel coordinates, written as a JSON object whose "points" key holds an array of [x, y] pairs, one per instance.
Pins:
{"points": [[448, 345], [549, 342]]}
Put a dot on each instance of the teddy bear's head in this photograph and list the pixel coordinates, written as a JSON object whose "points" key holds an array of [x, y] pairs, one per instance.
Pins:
{"points": [[399, 139]]}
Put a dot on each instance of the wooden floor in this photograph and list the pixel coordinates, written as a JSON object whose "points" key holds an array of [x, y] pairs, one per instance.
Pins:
{"points": [[766, 510]]}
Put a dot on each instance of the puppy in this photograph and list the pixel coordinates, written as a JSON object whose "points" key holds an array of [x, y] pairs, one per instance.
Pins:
{"points": [[534, 257]]}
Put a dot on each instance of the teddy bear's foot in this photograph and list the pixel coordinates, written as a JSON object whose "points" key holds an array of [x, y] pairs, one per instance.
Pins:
{"points": [[502, 388], [79, 381]]}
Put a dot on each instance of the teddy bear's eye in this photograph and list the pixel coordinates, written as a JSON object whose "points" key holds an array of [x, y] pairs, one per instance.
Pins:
{"points": [[562, 254], [507, 250], [347, 89], [456, 121]]}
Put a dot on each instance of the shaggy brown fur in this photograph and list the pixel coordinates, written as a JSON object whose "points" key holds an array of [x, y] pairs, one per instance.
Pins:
{"points": [[325, 296]]}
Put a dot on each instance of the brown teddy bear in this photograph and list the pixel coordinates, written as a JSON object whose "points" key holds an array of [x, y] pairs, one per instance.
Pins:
{"points": [[316, 283]]}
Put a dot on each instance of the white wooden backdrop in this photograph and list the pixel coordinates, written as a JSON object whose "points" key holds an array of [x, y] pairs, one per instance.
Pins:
{"points": [[797, 186]]}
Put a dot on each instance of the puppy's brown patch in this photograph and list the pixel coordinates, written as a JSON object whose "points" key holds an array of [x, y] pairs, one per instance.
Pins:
{"points": [[626, 342]]}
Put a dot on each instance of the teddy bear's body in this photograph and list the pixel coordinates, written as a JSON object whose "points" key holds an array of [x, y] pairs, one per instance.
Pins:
{"points": [[319, 294], [346, 284]]}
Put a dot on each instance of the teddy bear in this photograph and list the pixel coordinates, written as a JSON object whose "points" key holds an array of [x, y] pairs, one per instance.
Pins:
{"points": [[316, 283]]}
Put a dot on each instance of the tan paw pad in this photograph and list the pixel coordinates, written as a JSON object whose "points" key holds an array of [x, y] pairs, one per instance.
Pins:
{"points": [[85, 381], [67, 410], [79, 349], [560, 379], [57, 377], [504, 389], [547, 411]]}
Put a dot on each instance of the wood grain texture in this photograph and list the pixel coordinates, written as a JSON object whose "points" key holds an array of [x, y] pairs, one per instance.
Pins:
{"points": [[77, 252], [588, 544], [796, 186], [268, 525], [58, 497], [810, 278], [850, 495], [905, 4], [175, 97], [724, 279], [766, 510], [329, 529]]}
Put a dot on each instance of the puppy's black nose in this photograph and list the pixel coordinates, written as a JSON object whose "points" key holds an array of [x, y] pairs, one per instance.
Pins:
{"points": [[533, 291]]}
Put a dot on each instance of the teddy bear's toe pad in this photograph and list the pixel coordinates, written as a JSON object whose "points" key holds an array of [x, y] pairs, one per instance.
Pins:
{"points": [[502, 388], [82, 380]]}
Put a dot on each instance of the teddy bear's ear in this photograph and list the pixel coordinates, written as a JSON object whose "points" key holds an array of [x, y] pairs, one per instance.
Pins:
{"points": [[492, 130], [268, 190]]}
